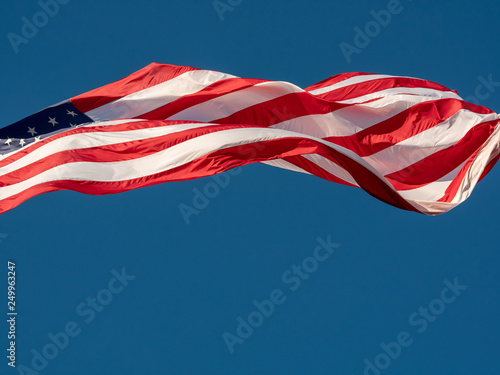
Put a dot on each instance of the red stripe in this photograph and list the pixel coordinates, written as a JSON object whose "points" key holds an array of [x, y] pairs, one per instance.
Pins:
{"points": [[283, 108], [369, 87], [335, 79], [148, 76], [442, 162], [406, 124], [215, 90]]}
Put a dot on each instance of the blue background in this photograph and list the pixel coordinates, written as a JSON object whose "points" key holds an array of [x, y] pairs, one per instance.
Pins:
{"points": [[192, 281]]}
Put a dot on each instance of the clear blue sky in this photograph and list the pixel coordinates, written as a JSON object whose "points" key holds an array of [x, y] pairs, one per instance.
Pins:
{"points": [[192, 281]]}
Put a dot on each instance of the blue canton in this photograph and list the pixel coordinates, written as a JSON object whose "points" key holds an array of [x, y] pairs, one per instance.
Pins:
{"points": [[42, 124]]}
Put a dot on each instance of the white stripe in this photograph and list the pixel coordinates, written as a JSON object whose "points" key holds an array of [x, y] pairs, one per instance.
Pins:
{"points": [[320, 125], [351, 81], [320, 161], [432, 208], [436, 94], [107, 123], [149, 99], [355, 80], [283, 164], [331, 168], [228, 104]]}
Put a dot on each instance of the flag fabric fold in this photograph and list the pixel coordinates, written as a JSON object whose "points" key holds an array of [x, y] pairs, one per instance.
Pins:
{"points": [[409, 142]]}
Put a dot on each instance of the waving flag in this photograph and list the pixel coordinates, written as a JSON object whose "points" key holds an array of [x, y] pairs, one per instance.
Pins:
{"points": [[409, 142]]}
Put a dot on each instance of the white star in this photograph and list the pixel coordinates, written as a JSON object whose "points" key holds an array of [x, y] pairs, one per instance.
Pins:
{"points": [[37, 139], [72, 125], [32, 131], [72, 113], [7, 142], [52, 121], [22, 142]]}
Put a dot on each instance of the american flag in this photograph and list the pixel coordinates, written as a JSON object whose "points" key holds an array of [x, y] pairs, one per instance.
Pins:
{"points": [[409, 142]]}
